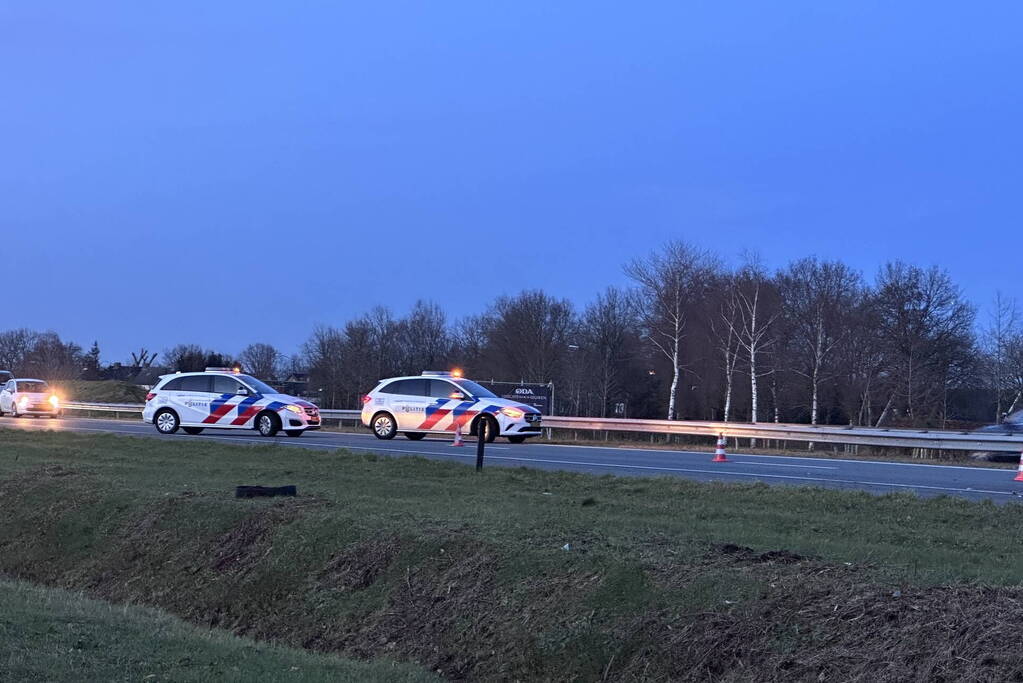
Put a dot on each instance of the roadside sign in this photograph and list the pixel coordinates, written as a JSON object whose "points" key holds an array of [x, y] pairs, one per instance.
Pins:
{"points": [[536, 395]]}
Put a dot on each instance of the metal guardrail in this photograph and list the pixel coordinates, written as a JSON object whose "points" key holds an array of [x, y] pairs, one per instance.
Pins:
{"points": [[862, 436], [105, 407]]}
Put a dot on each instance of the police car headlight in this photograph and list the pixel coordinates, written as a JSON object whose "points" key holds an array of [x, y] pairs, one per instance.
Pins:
{"points": [[54, 401], [513, 413], [295, 409], [23, 401]]}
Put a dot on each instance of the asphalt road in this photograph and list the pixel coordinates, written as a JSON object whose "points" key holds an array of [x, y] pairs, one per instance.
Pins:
{"points": [[876, 477]]}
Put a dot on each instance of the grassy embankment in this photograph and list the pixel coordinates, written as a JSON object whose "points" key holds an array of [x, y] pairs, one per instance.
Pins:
{"points": [[49, 634], [106, 391], [466, 574]]}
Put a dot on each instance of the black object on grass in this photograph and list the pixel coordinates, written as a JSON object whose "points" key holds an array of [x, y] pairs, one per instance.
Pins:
{"points": [[255, 491]]}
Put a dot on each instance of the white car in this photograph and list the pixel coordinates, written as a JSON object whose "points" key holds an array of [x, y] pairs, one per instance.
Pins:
{"points": [[221, 398], [28, 397], [437, 402]]}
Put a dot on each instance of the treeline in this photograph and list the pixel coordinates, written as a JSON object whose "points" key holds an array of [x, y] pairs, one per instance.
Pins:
{"points": [[692, 338]]}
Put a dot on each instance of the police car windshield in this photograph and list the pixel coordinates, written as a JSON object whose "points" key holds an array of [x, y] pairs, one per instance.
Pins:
{"points": [[32, 387], [256, 385], [475, 389]]}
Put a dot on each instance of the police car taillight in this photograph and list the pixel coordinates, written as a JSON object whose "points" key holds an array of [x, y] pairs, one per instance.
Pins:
{"points": [[150, 396], [366, 399]]}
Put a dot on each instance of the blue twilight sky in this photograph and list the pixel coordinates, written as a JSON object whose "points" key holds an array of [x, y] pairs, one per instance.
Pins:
{"points": [[230, 172]]}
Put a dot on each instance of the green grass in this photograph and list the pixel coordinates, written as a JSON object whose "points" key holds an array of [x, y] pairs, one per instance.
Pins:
{"points": [[48, 634], [465, 573]]}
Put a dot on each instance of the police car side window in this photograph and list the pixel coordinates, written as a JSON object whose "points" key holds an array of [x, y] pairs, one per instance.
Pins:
{"points": [[391, 388], [441, 389], [173, 385], [225, 385], [195, 383], [416, 387]]}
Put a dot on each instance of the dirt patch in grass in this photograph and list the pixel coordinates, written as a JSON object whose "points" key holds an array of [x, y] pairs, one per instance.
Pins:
{"points": [[358, 567]]}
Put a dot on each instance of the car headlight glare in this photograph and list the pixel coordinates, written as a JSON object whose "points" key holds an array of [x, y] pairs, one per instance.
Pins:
{"points": [[513, 413], [295, 409], [54, 401]]}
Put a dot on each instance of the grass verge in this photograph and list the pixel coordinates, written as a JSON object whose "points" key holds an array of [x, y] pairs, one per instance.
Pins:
{"points": [[49, 634], [517, 573]]}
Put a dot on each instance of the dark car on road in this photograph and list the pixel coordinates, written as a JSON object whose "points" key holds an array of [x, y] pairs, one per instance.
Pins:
{"points": [[1012, 425]]}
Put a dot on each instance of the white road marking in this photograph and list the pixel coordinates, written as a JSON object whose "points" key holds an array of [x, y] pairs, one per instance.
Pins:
{"points": [[778, 464]]}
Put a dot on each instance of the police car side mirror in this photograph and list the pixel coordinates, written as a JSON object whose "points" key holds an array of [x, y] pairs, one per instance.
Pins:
{"points": [[242, 391], [456, 396]]}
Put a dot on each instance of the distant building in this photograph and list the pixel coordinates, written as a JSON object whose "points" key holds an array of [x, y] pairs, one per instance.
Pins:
{"points": [[294, 384]]}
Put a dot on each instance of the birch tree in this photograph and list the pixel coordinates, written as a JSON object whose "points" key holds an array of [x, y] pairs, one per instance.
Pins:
{"points": [[818, 300], [672, 281], [725, 328], [756, 316]]}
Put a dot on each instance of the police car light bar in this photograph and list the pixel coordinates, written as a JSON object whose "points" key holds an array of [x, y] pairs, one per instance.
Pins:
{"points": [[436, 373], [231, 370]]}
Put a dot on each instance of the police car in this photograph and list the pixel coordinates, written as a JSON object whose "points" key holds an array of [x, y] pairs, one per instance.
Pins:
{"points": [[437, 402], [223, 398]]}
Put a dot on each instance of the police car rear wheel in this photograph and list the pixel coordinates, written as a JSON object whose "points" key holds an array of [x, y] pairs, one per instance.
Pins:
{"points": [[267, 424], [516, 439], [414, 436], [166, 422], [384, 426]]}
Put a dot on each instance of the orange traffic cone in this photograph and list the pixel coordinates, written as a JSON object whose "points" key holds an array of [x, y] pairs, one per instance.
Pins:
{"points": [[719, 452], [1019, 472], [458, 433]]}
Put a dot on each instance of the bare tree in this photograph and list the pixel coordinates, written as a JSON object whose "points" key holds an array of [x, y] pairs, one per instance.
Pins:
{"points": [[928, 328], [818, 298], [756, 316], [609, 332], [52, 359], [142, 358], [15, 346], [529, 336], [725, 328], [423, 339], [324, 356], [671, 280], [261, 360], [1002, 329]]}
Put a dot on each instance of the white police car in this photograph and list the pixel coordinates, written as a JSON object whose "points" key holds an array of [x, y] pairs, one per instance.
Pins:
{"points": [[435, 402], [222, 398]]}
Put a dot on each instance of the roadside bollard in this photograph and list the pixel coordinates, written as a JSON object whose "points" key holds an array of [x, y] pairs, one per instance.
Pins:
{"points": [[719, 451], [481, 441], [458, 434], [1019, 471]]}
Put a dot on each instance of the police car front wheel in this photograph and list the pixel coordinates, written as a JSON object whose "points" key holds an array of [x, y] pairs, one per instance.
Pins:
{"points": [[268, 424], [489, 427], [384, 426]]}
